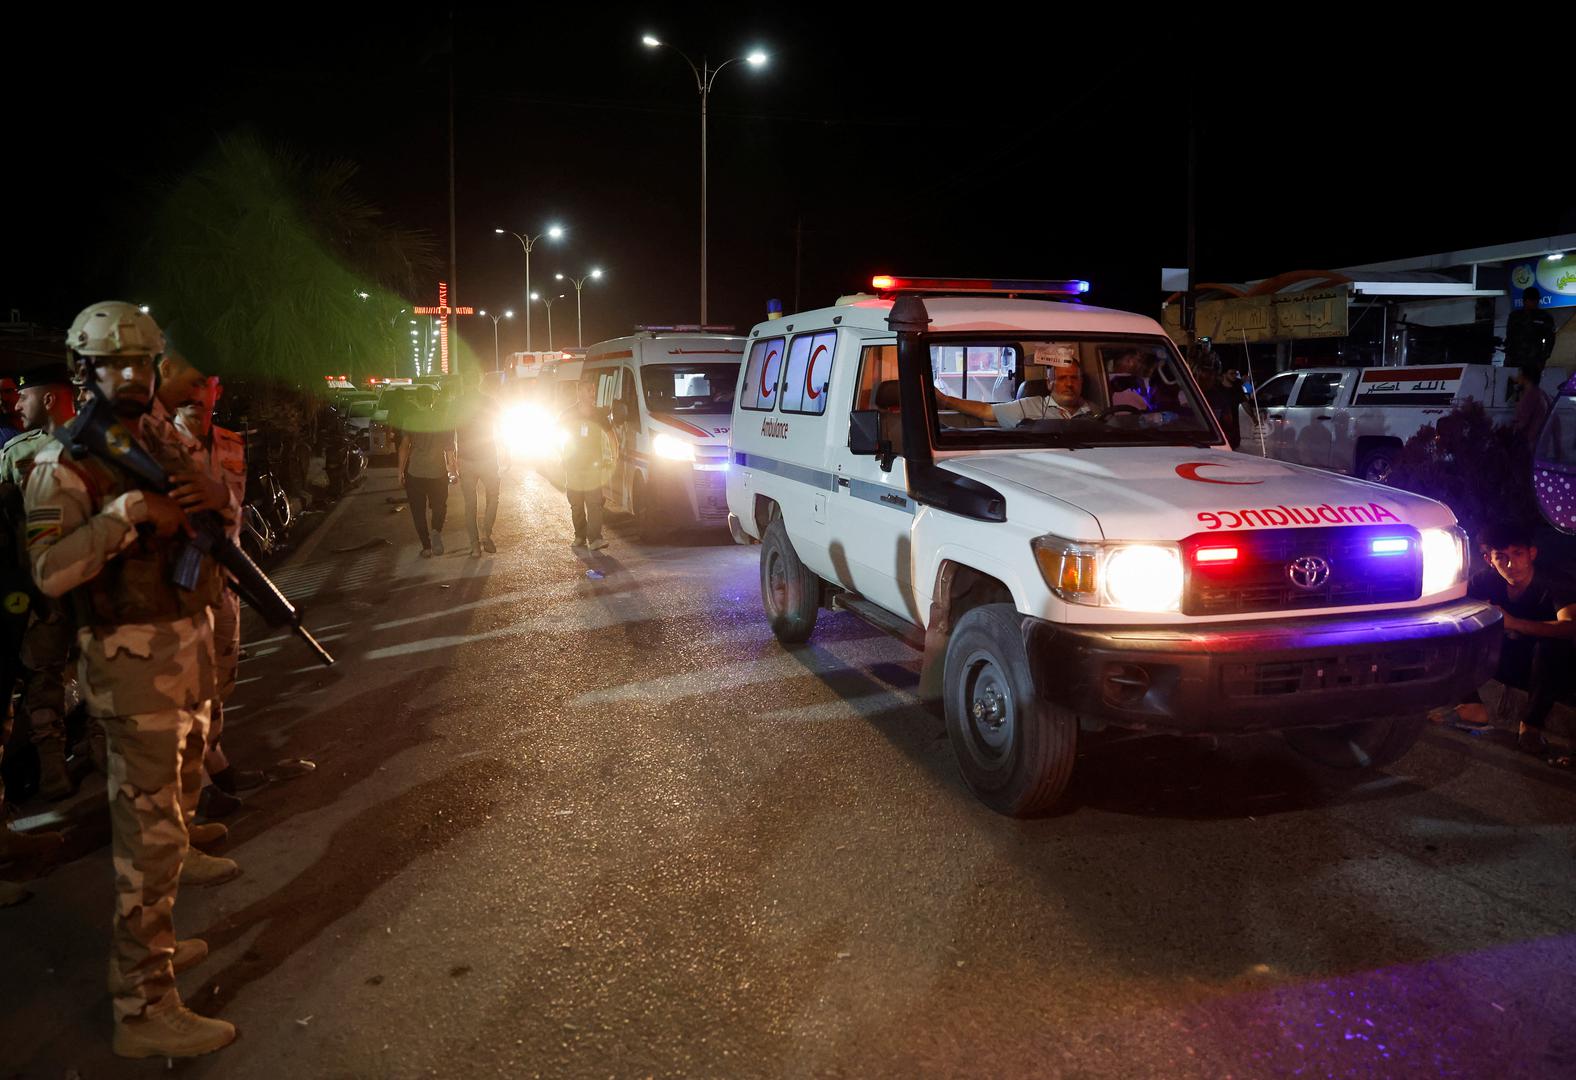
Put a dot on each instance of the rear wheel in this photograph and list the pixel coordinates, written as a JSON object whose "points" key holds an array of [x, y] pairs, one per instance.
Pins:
{"points": [[790, 592], [1367, 744], [1377, 464], [1014, 749]]}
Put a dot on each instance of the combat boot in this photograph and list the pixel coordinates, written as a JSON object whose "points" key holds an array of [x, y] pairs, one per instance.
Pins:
{"points": [[208, 833], [188, 954], [174, 1032], [54, 779], [201, 869], [15, 845]]}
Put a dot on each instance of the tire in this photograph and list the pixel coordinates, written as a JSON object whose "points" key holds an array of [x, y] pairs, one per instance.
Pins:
{"points": [[790, 593], [1377, 464], [1369, 744], [1015, 749], [648, 528]]}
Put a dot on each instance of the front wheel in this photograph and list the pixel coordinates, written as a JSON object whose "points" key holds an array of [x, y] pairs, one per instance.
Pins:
{"points": [[790, 592], [1014, 749], [1365, 744], [648, 524]]}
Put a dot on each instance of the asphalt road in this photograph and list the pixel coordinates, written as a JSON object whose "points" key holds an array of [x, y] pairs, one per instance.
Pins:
{"points": [[575, 827]]}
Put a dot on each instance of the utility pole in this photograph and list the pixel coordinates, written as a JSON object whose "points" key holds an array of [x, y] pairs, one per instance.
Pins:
{"points": [[454, 276]]}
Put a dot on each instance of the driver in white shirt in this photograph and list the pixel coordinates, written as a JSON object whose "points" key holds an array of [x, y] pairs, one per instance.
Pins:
{"points": [[1065, 401]]}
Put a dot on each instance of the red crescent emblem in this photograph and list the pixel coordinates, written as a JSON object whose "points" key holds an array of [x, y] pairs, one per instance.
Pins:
{"points": [[1188, 470], [765, 366], [809, 369]]}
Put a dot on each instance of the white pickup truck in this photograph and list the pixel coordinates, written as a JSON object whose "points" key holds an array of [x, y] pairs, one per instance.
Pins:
{"points": [[1355, 420], [1020, 489]]}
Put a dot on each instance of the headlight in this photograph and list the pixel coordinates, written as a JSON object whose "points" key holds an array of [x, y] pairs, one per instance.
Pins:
{"points": [[1134, 577], [1444, 559], [673, 449]]}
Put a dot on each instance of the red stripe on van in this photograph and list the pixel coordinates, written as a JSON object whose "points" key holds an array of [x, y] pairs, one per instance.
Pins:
{"points": [[620, 355], [688, 429]]}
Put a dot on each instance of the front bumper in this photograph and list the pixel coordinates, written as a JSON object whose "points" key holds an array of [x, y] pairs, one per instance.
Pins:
{"points": [[1264, 676]]}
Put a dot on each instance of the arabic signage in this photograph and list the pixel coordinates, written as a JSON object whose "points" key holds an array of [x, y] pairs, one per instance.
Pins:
{"points": [[1554, 277], [1409, 386], [1294, 317]]}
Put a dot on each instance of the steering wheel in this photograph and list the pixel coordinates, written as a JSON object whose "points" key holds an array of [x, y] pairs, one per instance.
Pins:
{"points": [[1116, 410]]}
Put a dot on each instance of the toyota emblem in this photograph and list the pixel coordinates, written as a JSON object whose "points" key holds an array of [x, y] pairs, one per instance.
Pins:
{"points": [[1308, 572]]}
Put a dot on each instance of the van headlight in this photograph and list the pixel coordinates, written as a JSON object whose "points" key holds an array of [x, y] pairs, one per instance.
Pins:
{"points": [[1133, 577], [1444, 559], [666, 446]]}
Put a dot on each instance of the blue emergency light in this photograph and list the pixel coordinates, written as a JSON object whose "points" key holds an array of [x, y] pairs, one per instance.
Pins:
{"points": [[1390, 545], [888, 285]]}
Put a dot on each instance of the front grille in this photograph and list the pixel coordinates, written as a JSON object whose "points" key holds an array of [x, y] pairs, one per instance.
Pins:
{"points": [[1337, 671], [711, 493], [1258, 579]]}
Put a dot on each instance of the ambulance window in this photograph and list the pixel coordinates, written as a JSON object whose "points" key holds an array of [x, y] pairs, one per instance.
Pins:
{"points": [[606, 388], [1319, 388], [810, 359], [975, 372], [1277, 392], [877, 364], [759, 391]]}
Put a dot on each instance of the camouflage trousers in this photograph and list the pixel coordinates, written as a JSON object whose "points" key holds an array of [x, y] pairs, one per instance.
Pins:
{"points": [[155, 775], [227, 658], [46, 652]]}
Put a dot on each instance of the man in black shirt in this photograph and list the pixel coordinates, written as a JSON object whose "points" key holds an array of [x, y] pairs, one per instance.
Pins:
{"points": [[1529, 335], [1540, 626]]}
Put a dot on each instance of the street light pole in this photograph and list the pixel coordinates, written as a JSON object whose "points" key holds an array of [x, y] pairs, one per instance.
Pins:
{"points": [[705, 79], [495, 318], [547, 302], [527, 242], [595, 274]]}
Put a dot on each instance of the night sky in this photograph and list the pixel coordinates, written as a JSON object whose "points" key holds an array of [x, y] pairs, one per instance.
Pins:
{"points": [[1033, 145]]}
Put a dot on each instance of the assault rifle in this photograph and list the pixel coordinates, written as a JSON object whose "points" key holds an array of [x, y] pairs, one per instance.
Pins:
{"points": [[96, 431]]}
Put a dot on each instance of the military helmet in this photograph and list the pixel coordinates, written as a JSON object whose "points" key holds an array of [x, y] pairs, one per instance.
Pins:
{"points": [[115, 328]]}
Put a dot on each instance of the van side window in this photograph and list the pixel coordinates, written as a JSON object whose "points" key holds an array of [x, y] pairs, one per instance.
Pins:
{"points": [[1318, 389], [877, 364], [759, 390], [809, 371], [606, 388]]}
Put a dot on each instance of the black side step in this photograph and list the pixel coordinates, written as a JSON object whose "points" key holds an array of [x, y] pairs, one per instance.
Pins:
{"points": [[881, 619]]}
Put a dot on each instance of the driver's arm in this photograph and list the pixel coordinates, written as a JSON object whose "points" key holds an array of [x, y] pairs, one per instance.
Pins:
{"points": [[980, 410]]}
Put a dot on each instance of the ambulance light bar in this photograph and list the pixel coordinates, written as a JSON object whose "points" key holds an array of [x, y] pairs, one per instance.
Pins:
{"points": [[887, 285], [689, 328]]}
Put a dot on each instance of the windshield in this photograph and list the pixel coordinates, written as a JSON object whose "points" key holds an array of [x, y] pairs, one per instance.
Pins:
{"points": [[1067, 390], [689, 388]]}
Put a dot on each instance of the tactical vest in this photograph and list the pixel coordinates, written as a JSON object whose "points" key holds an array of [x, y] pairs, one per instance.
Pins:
{"points": [[137, 586]]}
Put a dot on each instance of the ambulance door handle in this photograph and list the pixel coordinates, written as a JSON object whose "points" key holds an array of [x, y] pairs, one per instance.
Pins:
{"points": [[1324, 418], [842, 481]]}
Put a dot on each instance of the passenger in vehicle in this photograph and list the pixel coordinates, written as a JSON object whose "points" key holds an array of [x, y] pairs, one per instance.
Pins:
{"points": [[1065, 401], [1131, 382]]}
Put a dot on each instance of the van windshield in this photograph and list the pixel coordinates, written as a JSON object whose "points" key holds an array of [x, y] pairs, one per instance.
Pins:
{"points": [[1093, 390], [689, 388]]}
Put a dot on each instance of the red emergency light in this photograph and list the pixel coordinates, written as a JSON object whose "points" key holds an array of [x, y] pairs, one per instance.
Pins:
{"points": [[887, 284], [1215, 555]]}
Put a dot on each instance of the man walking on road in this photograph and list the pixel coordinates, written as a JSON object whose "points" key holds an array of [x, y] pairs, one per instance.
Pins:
{"points": [[98, 533], [588, 464], [47, 402], [426, 461], [476, 444]]}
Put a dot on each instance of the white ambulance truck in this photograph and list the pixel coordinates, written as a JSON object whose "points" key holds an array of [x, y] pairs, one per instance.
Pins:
{"points": [[670, 393], [1356, 420], [1020, 488]]}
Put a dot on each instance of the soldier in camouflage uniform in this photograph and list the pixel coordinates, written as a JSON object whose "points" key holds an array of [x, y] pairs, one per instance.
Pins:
{"points": [[192, 396], [47, 402], [97, 533]]}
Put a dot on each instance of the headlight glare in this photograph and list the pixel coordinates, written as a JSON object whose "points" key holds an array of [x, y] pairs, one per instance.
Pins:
{"points": [[1444, 559], [1134, 577], [667, 446]]}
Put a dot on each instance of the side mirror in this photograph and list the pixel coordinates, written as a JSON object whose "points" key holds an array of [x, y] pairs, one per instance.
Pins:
{"points": [[864, 432]]}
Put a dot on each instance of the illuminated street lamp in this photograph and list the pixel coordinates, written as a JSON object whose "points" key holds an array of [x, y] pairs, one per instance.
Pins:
{"points": [[594, 275], [527, 242], [705, 77], [506, 315], [547, 302]]}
